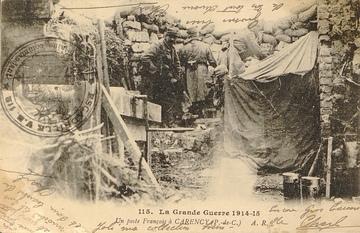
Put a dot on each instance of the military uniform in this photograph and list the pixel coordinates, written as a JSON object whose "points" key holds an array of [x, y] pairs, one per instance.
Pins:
{"points": [[196, 56], [161, 65]]}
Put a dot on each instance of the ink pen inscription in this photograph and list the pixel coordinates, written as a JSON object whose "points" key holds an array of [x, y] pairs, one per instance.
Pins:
{"points": [[150, 9], [236, 9], [311, 220], [29, 177]]}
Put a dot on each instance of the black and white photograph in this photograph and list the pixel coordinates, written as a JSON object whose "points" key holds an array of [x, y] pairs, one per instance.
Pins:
{"points": [[180, 116]]}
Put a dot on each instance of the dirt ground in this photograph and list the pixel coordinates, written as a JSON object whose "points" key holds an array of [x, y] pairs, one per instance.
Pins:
{"points": [[195, 164]]}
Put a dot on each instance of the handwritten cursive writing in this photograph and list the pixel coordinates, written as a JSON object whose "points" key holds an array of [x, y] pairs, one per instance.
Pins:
{"points": [[314, 222], [204, 8], [310, 210], [232, 9], [151, 10], [41, 189], [338, 207], [103, 226], [213, 225], [168, 227], [204, 22]]}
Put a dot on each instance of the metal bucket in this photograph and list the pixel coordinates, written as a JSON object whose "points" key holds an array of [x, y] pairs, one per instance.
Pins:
{"points": [[310, 187], [291, 187]]}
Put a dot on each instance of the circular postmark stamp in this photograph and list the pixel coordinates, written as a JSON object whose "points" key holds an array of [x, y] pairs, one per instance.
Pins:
{"points": [[49, 86]]}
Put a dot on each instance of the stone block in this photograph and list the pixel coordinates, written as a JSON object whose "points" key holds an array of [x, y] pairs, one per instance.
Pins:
{"points": [[326, 88], [132, 25], [336, 9], [324, 23], [344, 2], [325, 96], [326, 104], [324, 51], [326, 81], [325, 66], [138, 36], [322, 8], [325, 129], [325, 74], [325, 111], [323, 30], [325, 118], [326, 60], [140, 47], [324, 37], [324, 15]]}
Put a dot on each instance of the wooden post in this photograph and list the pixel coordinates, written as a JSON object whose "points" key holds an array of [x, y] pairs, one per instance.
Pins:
{"points": [[100, 75], [328, 162], [105, 69], [106, 80]]}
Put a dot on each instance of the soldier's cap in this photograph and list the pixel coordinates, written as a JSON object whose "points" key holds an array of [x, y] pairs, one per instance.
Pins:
{"points": [[172, 31], [220, 70]]}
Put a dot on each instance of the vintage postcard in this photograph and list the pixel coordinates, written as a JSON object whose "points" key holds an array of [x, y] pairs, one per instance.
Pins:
{"points": [[179, 116]]}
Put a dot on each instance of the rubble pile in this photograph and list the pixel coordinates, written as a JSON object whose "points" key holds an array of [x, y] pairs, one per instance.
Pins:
{"points": [[177, 159]]}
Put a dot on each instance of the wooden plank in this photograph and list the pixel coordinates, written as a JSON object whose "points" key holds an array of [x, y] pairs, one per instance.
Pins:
{"points": [[123, 132]]}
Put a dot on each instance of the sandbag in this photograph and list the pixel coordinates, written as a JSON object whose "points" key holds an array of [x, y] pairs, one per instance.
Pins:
{"points": [[209, 39], [283, 24], [138, 36], [306, 15], [131, 25], [266, 38], [183, 34], [153, 37], [269, 27], [278, 31], [151, 27], [139, 47], [297, 25], [284, 38], [296, 33], [302, 7], [208, 29], [220, 34]]}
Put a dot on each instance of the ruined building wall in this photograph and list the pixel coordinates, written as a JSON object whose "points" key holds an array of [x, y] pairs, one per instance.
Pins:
{"points": [[339, 92]]}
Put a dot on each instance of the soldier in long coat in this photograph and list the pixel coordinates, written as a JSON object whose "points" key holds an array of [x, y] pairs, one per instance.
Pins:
{"points": [[162, 69], [196, 56]]}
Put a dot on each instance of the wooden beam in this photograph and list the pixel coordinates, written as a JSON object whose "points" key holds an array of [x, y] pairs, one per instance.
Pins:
{"points": [[122, 131], [106, 81]]}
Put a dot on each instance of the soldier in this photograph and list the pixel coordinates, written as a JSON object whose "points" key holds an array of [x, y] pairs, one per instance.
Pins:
{"points": [[161, 67], [196, 56]]}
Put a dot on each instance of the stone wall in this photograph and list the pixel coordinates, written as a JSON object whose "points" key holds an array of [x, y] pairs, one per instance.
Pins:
{"points": [[337, 27], [339, 90]]}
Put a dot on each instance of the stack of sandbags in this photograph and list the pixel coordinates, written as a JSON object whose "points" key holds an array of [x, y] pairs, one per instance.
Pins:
{"points": [[290, 28], [275, 35]]}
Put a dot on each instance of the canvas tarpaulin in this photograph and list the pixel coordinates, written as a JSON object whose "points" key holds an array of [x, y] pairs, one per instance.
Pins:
{"points": [[272, 119]]}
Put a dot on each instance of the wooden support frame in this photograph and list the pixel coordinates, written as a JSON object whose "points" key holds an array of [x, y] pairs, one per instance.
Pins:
{"points": [[123, 133]]}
